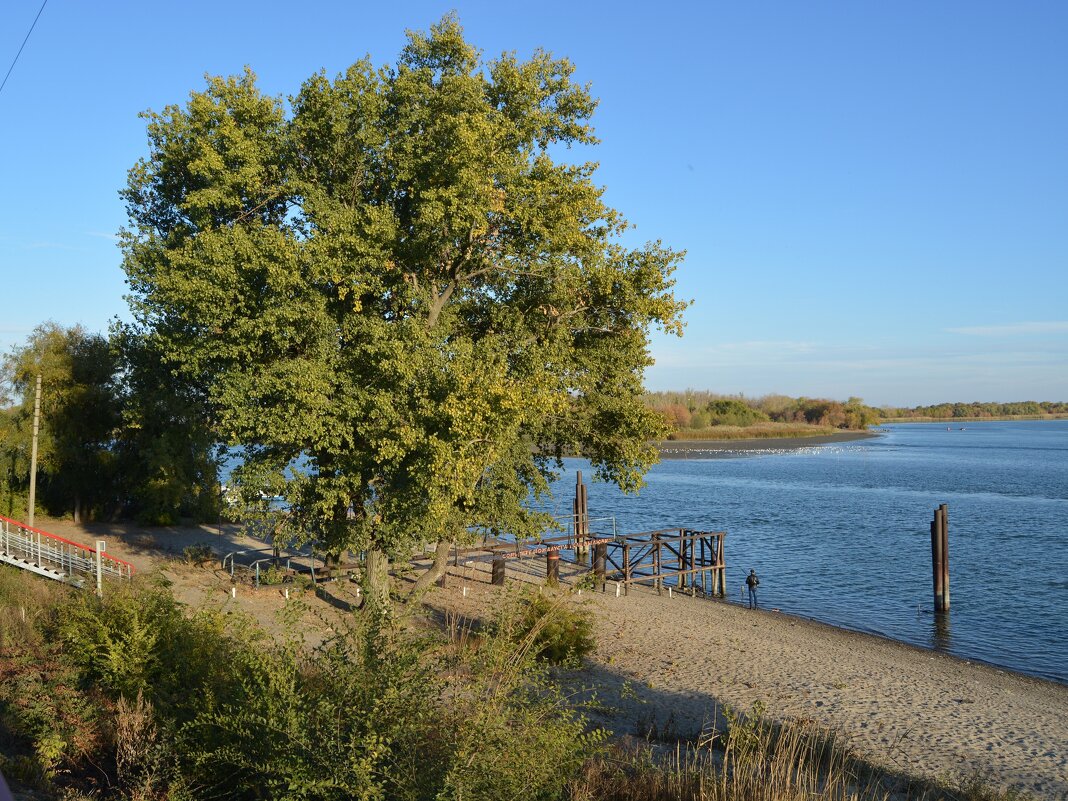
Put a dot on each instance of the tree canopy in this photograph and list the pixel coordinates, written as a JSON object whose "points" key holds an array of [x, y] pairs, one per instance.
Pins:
{"points": [[119, 434], [395, 279]]}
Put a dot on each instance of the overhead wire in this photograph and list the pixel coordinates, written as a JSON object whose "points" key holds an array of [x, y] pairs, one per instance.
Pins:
{"points": [[15, 61]]}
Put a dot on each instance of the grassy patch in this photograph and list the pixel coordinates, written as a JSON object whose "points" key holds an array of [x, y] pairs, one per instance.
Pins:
{"points": [[758, 431]]}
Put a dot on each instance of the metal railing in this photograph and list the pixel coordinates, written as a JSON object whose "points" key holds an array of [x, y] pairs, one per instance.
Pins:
{"points": [[56, 557], [567, 522]]}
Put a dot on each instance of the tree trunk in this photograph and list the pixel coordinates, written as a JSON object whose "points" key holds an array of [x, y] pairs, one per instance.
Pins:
{"points": [[434, 572], [376, 583]]}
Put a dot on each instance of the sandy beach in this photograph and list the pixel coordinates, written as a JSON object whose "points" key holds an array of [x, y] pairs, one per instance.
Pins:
{"points": [[677, 662], [711, 448]]}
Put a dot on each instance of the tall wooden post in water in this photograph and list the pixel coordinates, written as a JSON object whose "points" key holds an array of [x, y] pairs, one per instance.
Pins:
{"points": [[940, 558], [581, 516]]}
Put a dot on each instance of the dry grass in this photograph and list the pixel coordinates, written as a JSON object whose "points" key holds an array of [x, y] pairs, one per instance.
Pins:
{"points": [[759, 761], [757, 431]]}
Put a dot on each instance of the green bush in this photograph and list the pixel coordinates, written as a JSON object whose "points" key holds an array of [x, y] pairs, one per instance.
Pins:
{"points": [[131, 697], [272, 576], [731, 412], [558, 632], [198, 553]]}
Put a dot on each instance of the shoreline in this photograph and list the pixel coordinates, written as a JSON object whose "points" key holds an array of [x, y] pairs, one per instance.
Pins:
{"points": [[675, 665], [701, 448]]}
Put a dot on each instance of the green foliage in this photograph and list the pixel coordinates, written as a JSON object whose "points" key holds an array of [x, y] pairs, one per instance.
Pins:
{"points": [[393, 280], [45, 722], [137, 640], [119, 435], [733, 412], [272, 575], [698, 411], [79, 416], [198, 553], [560, 632], [979, 411], [130, 697]]}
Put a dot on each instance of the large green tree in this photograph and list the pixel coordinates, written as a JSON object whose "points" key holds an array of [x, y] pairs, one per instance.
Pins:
{"points": [[397, 281]]}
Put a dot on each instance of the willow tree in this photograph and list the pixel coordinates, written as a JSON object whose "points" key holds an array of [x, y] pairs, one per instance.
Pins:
{"points": [[396, 295]]}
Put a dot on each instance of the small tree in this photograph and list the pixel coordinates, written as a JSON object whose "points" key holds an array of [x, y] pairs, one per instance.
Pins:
{"points": [[79, 416], [392, 281]]}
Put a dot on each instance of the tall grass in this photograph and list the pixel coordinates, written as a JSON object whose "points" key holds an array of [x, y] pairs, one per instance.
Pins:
{"points": [[758, 760], [757, 431]]}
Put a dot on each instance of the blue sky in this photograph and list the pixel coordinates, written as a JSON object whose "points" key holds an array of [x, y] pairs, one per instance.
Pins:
{"points": [[873, 197]]}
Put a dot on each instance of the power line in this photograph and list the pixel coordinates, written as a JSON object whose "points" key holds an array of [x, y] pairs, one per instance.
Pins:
{"points": [[34, 25]]}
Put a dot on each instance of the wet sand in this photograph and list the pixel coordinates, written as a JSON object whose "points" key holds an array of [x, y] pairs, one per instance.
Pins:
{"points": [[712, 448]]}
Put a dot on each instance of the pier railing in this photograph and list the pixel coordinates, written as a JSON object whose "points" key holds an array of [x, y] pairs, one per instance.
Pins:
{"points": [[56, 557], [666, 558]]}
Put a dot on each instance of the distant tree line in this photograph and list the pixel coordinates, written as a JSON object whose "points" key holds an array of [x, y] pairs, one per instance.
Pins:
{"points": [[119, 436], [946, 411], [693, 410]]}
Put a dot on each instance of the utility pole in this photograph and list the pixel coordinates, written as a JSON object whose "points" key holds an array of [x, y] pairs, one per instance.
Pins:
{"points": [[33, 451]]}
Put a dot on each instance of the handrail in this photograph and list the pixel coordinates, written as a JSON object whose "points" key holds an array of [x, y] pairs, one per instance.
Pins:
{"points": [[65, 541]]}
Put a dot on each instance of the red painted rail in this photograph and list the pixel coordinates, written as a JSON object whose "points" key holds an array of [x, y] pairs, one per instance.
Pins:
{"points": [[64, 552]]}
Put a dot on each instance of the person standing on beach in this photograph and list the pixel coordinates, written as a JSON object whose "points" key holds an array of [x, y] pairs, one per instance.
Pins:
{"points": [[751, 581]]}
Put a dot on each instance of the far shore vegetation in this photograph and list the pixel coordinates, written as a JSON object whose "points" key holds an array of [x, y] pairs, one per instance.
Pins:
{"points": [[705, 415]]}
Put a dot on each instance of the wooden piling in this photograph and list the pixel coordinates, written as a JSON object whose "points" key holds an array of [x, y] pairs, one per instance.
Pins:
{"points": [[936, 561], [552, 567], [943, 511], [626, 567], [656, 563], [682, 560], [600, 563], [720, 566], [497, 574]]}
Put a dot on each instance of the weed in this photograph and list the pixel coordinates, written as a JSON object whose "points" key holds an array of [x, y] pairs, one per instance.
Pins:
{"points": [[198, 553]]}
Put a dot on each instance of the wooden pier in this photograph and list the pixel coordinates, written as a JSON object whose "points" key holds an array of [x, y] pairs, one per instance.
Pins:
{"points": [[694, 559], [678, 559], [667, 559]]}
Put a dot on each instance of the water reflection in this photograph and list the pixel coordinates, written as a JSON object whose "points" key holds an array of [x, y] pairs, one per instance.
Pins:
{"points": [[941, 637]]}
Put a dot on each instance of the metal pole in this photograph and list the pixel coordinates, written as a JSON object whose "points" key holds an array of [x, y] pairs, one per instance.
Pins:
{"points": [[33, 451], [100, 546]]}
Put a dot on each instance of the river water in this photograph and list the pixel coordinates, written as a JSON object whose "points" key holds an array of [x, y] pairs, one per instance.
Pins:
{"points": [[841, 533]]}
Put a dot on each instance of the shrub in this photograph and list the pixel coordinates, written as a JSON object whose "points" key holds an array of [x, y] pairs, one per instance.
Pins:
{"points": [[272, 575], [558, 632], [198, 553]]}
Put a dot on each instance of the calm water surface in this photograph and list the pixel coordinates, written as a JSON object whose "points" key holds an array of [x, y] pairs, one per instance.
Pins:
{"points": [[841, 533]]}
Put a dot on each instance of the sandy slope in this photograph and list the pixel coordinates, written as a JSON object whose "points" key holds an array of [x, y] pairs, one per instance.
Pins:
{"points": [[678, 662]]}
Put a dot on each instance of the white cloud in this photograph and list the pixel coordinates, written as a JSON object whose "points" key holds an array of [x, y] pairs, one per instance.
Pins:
{"points": [[1012, 329], [102, 235]]}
